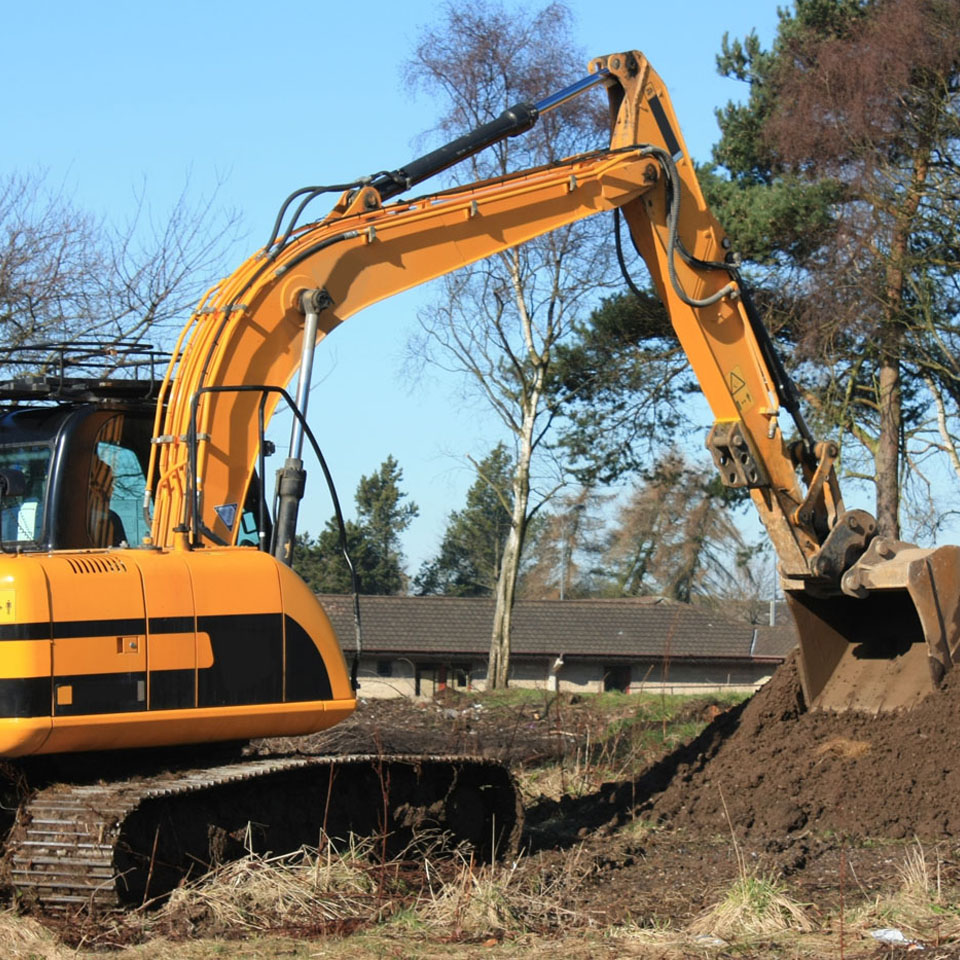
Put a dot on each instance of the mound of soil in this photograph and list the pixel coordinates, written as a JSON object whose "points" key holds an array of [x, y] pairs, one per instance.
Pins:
{"points": [[772, 770], [453, 724], [768, 768]]}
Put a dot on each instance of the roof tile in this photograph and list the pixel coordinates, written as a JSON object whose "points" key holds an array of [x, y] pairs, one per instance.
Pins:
{"points": [[629, 627]]}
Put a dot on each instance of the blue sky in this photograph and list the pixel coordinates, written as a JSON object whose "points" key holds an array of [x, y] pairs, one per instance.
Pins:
{"points": [[109, 98]]}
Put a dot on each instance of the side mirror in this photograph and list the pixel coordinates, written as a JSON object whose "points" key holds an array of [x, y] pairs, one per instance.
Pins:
{"points": [[13, 482]]}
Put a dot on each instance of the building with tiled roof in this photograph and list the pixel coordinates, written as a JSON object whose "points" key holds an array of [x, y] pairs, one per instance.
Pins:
{"points": [[417, 645]]}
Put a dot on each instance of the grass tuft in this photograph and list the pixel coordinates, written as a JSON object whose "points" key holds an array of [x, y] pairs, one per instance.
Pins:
{"points": [[754, 906], [497, 898], [306, 887], [919, 907]]}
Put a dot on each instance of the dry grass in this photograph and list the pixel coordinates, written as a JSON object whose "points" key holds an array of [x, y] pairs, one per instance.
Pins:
{"points": [[337, 893], [919, 907], [496, 898], [915, 885], [844, 747], [22, 938], [754, 906], [304, 888]]}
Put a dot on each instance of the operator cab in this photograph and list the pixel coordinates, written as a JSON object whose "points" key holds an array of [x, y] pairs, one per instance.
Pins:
{"points": [[74, 456], [76, 475]]}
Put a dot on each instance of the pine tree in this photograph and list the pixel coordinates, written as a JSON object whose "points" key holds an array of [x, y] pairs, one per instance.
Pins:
{"points": [[842, 181], [468, 562], [373, 540]]}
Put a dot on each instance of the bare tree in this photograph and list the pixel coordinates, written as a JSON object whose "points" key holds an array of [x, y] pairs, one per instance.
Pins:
{"points": [[498, 323], [560, 561], [67, 276]]}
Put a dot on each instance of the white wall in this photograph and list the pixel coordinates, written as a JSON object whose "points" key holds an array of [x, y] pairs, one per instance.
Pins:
{"points": [[576, 676]]}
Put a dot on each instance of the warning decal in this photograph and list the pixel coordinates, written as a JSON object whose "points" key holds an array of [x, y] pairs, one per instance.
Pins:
{"points": [[227, 512], [738, 390]]}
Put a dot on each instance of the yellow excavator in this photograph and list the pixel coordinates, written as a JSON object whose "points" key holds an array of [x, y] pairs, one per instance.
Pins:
{"points": [[146, 595]]}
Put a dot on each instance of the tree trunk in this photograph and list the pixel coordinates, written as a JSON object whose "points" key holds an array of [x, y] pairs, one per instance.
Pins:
{"points": [[498, 666], [887, 457]]}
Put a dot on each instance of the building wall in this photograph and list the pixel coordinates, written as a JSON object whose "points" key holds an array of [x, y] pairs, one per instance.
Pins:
{"points": [[678, 677], [582, 677], [403, 677], [386, 677]]}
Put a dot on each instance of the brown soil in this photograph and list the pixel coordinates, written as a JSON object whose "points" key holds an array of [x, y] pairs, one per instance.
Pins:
{"points": [[774, 771], [827, 801]]}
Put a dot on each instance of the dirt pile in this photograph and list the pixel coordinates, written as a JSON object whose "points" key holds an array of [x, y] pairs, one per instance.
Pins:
{"points": [[768, 767], [526, 733], [780, 771]]}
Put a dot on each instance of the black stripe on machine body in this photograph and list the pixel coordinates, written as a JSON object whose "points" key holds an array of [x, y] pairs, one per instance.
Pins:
{"points": [[25, 697], [72, 629], [103, 693], [171, 624], [247, 660], [172, 689], [666, 131], [25, 631], [307, 676]]}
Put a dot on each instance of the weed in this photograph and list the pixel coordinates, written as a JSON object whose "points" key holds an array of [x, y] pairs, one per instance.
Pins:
{"points": [[919, 907], [407, 918], [754, 906], [915, 877], [638, 828]]}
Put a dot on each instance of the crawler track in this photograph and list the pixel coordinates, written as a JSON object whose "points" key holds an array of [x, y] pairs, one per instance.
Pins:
{"points": [[102, 847]]}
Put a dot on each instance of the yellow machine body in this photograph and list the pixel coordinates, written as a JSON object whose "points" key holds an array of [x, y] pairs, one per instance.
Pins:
{"points": [[131, 648]]}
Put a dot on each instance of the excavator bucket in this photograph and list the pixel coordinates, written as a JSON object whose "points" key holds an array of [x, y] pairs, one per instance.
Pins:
{"points": [[887, 641]]}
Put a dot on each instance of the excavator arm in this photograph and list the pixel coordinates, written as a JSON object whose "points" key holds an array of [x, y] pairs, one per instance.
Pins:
{"points": [[257, 327], [250, 328]]}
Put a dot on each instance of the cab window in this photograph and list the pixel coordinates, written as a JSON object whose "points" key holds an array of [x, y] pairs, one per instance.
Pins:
{"points": [[21, 512], [115, 489]]}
